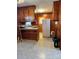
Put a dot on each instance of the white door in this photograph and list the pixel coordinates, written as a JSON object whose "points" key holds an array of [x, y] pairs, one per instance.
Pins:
{"points": [[46, 27]]}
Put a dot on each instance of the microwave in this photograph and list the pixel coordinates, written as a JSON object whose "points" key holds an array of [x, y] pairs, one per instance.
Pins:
{"points": [[28, 24]]}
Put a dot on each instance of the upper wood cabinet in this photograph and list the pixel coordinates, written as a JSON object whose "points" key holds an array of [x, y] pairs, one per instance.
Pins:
{"points": [[31, 11], [20, 14], [25, 11], [57, 9]]}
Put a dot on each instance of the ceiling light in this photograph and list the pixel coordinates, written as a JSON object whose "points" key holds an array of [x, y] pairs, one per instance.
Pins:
{"points": [[56, 22], [40, 10], [20, 1]]}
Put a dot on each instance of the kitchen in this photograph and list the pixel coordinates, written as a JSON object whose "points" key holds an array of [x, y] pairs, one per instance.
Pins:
{"points": [[30, 20], [29, 24], [38, 29]]}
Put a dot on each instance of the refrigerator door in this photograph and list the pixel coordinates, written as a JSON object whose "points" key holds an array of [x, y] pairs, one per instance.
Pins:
{"points": [[46, 27]]}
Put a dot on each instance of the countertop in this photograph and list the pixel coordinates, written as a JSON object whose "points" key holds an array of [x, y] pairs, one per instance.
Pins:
{"points": [[29, 28], [22, 27]]}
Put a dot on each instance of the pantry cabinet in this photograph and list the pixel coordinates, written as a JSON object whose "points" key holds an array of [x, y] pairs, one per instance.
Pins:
{"points": [[57, 17]]}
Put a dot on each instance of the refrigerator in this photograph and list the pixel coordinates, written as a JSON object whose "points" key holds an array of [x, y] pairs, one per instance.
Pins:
{"points": [[46, 27]]}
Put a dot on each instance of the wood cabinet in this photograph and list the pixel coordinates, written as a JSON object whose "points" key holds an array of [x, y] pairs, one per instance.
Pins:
{"points": [[57, 17], [30, 34], [57, 9], [31, 11], [20, 14], [24, 11]]}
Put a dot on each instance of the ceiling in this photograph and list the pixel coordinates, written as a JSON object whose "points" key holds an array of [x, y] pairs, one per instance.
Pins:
{"points": [[41, 5]]}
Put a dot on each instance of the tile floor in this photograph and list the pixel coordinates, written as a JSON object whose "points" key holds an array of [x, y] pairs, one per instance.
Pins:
{"points": [[43, 49]]}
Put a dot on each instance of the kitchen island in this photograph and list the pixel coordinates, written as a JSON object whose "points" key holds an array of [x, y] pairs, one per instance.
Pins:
{"points": [[30, 33]]}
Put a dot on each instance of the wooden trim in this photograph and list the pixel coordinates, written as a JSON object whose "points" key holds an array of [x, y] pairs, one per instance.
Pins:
{"points": [[26, 6], [45, 13]]}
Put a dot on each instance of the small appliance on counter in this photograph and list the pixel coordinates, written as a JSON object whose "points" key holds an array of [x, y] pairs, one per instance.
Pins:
{"points": [[28, 24], [28, 21]]}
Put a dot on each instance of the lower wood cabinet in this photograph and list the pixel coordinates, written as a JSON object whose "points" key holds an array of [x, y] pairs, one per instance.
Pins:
{"points": [[30, 34]]}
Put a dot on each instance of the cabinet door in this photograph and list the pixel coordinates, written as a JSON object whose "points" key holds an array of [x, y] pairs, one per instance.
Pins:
{"points": [[20, 14], [56, 10], [57, 15], [26, 12], [31, 11]]}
